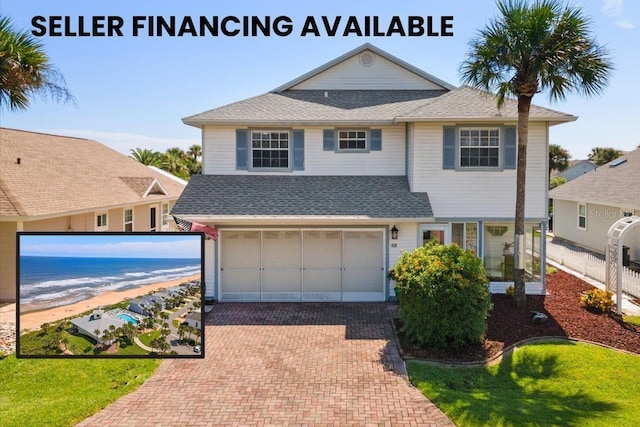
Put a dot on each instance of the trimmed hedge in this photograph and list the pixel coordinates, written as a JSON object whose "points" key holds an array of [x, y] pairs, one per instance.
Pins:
{"points": [[445, 296]]}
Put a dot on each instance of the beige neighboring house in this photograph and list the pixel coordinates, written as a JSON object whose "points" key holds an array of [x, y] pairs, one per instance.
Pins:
{"points": [[60, 183]]}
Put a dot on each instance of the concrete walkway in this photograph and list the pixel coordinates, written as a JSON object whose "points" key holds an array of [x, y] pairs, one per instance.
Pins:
{"points": [[274, 364]]}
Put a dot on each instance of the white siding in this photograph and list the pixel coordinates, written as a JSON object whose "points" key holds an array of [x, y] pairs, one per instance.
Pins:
{"points": [[220, 154], [210, 266], [477, 194], [351, 74], [599, 219], [410, 154]]}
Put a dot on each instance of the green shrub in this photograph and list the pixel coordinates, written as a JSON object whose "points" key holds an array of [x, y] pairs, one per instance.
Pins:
{"points": [[510, 291], [445, 296], [597, 300]]}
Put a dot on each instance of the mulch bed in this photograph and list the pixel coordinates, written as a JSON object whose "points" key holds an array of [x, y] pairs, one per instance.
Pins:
{"points": [[508, 325]]}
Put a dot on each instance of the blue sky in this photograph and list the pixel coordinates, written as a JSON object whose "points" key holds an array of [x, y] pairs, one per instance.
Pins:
{"points": [[133, 91], [158, 245]]}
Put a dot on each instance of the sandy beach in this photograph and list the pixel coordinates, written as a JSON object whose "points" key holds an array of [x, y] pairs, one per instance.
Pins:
{"points": [[33, 320]]}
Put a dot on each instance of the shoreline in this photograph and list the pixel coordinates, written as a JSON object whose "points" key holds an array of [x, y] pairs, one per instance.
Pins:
{"points": [[34, 319]]}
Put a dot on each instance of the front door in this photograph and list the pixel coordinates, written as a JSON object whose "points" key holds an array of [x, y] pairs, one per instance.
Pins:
{"points": [[439, 232]]}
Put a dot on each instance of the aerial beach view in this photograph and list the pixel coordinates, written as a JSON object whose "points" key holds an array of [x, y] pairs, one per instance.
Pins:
{"points": [[101, 288]]}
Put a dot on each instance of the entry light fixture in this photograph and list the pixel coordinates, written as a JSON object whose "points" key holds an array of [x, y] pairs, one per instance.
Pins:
{"points": [[394, 233]]}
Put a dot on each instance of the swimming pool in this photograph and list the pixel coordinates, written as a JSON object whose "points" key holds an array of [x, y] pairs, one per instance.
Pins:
{"points": [[128, 318]]}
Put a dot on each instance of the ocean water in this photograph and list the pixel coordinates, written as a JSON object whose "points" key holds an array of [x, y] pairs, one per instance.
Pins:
{"points": [[47, 282]]}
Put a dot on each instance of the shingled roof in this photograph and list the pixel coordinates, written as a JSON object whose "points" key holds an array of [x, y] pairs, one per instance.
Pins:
{"points": [[252, 196], [617, 184], [288, 106], [49, 174]]}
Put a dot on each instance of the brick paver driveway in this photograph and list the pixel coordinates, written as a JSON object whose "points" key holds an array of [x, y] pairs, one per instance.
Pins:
{"points": [[283, 364]]}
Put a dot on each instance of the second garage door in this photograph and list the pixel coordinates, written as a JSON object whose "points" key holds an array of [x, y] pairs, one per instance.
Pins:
{"points": [[302, 265]]}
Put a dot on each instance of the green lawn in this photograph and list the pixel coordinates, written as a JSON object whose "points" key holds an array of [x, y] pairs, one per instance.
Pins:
{"points": [[133, 349], [79, 344], [634, 320], [555, 383], [50, 392], [148, 337]]}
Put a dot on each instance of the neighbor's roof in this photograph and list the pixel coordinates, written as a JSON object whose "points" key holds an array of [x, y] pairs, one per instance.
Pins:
{"points": [[62, 175], [285, 106], [301, 196], [617, 183]]}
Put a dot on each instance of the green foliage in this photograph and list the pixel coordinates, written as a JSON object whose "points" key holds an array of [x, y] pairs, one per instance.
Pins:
{"points": [[54, 392], [25, 70], [174, 160], [509, 291], [552, 384], [558, 158], [597, 300], [551, 270], [557, 181], [603, 155], [445, 296]]}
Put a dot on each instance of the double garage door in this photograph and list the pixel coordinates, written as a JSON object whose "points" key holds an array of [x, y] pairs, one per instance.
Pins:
{"points": [[302, 265]]}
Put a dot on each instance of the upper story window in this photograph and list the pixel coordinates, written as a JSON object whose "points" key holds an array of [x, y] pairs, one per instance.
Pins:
{"points": [[479, 147], [128, 220], [270, 149], [582, 216], [352, 140], [101, 222]]}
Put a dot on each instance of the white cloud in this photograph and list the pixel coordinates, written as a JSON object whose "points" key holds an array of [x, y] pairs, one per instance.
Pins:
{"points": [[626, 24], [613, 8], [124, 142]]}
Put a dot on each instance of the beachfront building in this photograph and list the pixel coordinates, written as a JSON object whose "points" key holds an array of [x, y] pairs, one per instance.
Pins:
{"points": [[145, 304], [194, 319], [346, 166], [100, 321], [59, 183]]}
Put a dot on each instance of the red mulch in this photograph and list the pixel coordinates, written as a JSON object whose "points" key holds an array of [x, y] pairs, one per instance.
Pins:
{"points": [[567, 318]]}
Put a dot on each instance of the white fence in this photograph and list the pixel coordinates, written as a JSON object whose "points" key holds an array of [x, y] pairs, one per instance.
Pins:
{"points": [[591, 266]]}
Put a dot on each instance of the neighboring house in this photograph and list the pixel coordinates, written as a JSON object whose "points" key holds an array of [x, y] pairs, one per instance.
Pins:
{"points": [[144, 305], [176, 291], [317, 186], [98, 320], [194, 319], [576, 168], [59, 183], [585, 208]]}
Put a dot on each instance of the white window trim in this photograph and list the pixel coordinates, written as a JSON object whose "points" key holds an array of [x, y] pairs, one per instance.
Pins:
{"points": [[266, 168], [164, 221], [499, 147], [124, 218], [353, 150], [103, 227], [579, 216]]}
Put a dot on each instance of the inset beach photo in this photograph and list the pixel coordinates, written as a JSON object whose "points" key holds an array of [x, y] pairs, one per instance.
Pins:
{"points": [[110, 295]]}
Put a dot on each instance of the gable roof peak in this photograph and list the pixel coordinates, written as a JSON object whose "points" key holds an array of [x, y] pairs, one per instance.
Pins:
{"points": [[364, 47]]}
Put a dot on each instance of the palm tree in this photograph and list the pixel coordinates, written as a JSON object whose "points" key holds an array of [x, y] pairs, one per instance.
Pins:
{"points": [[146, 156], [558, 158], [195, 152], [545, 46], [25, 70], [603, 155]]}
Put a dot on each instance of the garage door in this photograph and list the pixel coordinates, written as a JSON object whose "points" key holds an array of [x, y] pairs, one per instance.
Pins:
{"points": [[302, 265]]}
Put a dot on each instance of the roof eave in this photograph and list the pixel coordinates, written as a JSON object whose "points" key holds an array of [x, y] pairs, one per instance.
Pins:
{"points": [[351, 53], [292, 219], [496, 119], [221, 122]]}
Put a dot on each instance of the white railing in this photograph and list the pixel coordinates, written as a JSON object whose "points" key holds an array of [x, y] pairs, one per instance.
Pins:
{"points": [[591, 266]]}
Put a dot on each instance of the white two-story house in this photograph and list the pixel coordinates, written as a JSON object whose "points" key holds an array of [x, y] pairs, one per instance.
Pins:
{"points": [[317, 186]]}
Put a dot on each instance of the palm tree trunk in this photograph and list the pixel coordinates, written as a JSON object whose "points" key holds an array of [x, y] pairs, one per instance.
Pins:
{"points": [[524, 104]]}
